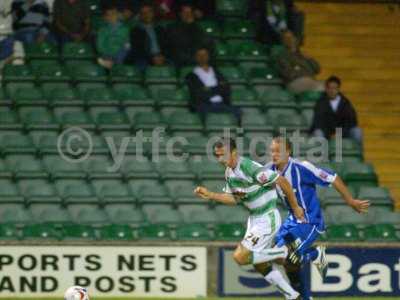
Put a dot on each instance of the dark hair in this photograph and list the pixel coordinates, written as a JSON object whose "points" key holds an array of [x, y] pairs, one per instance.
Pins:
{"points": [[230, 143], [284, 140], [334, 79]]}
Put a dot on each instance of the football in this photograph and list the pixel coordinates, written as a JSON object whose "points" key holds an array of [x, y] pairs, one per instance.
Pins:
{"points": [[76, 293]]}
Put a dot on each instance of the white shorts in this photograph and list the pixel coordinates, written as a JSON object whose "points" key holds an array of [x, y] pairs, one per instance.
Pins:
{"points": [[261, 231]]}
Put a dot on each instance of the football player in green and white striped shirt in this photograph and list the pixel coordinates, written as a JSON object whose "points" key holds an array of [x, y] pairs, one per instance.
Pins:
{"points": [[248, 183]]}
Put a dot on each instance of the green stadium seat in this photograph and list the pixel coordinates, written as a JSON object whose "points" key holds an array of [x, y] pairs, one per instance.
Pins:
{"points": [[26, 166], [17, 143], [287, 118], [248, 51], [182, 191], [17, 73], [5, 171], [384, 214], [378, 195], [133, 217], [132, 95], [196, 145], [222, 52], [133, 168], [61, 94], [248, 66], [233, 75], [348, 147], [117, 138], [125, 74], [169, 169], [167, 216], [86, 72], [278, 99], [243, 29], [38, 118], [49, 71], [264, 77], [41, 51], [231, 8], [160, 74], [94, 6], [8, 232], [83, 87], [255, 122], [184, 122], [360, 174], [210, 27], [13, 87], [333, 197], [219, 121], [75, 191], [54, 215], [343, 233], [75, 119], [231, 214], [117, 233], [150, 193], [9, 192], [59, 168], [100, 97], [41, 231], [184, 72], [78, 232], [9, 121], [244, 97], [193, 232], [229, 232], [113, 192], [343, 214], [29, 97], [76, 51], [155, 232], [38, 191], [99, 167], [112, 121], [207, 169], [18, 216], [308, 115], [380, 233], [207, 217], [147, 121], [308, 99], [170, 96], [91, 216]]}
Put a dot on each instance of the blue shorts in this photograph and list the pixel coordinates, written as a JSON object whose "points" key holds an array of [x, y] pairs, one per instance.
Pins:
{"points": [[303, 234]]}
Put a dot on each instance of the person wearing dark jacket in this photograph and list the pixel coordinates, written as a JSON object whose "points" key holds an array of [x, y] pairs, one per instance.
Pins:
{"points": [[209, 91], [148, 39], [333, 110]]}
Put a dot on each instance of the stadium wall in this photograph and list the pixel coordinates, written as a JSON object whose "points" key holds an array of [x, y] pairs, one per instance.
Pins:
{"points": [[182, 270]]}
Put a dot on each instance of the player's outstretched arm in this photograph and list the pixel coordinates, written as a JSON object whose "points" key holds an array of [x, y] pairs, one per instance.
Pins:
{"points": [[224, 198], [360, 206], [288, 191]]}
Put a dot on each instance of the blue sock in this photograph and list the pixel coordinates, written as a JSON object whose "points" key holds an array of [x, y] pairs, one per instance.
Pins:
{"points": [[304, 286]]}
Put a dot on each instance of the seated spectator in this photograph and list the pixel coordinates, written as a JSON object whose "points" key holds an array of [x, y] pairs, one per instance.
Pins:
{"points": [[112, 40], [71, 20], [333, 111], [148, 40], [6, 38], [209, 91], [185, 36], [201, 8], [297, 70], [273, 17], [30, 20]]}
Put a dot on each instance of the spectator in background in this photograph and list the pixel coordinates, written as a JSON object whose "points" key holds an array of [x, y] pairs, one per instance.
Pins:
{"points": [[273, 17], [165, 9], [71, 20], [201, 8], [333, 110], [209, 91], [30, 20], [297, 69], [148, 40], [6, 38], [112, 40], [184, 37]]}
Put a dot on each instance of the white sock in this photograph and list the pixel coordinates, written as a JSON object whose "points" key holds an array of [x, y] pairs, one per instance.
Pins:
{"points": [[269, 254], [276, 278]]}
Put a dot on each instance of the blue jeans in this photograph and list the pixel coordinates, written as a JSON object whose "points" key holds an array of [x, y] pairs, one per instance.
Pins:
{"points": [[6, 47], [26, 36], [355, 133], [119, 57]]}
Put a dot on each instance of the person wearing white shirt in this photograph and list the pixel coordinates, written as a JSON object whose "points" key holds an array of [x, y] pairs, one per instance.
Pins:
{"points": [[209, 91]]}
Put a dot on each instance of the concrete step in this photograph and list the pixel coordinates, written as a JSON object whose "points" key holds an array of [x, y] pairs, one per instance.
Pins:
{"points": [[349, 19], [386, 30], [349, 51], [369, 42], [373, 86], [354, 8], [360, 74], [361, 63]]}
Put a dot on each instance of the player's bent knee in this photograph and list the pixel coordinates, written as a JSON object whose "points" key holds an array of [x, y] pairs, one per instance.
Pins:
{"points": [[241, 258]]}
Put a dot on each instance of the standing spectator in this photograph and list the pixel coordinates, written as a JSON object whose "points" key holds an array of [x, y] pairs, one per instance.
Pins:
{"points": [[148, 39], [209, 91], [273, 17], [71, 20], [112, 40], [333, 110], [6, 38], [30, 20], [297, 69], [185, 36]]}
